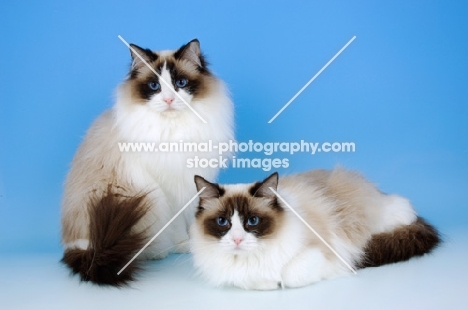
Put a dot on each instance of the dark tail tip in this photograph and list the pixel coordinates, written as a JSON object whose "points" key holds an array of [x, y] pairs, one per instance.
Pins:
{"points": [[403, 243], [101, 273], [113, 243]]}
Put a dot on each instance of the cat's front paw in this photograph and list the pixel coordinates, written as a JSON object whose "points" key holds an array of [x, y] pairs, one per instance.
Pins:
{"points": [[291, 280], [154, 254], [266, 285], [306, 268], [182, 247]]}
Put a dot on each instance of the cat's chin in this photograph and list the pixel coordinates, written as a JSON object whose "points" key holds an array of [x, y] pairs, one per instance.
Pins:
{"points": [[170, 112], [240, 251]]}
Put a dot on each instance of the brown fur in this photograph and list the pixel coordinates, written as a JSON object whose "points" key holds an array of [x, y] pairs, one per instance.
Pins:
{"points": [[112, 241], [403, 243]]}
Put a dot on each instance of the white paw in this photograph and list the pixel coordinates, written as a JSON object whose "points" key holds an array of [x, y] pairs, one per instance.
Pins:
{"points": [[293, 280], [306, 268], [157, 250], [154, 254], [182, 247], [266, 285]]}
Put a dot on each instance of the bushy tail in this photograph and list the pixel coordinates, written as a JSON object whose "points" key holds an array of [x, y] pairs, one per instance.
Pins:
{"points": [[403, 243], [112, 242]]}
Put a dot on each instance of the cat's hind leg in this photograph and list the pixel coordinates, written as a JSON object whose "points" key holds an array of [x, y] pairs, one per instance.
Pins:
{"points": [[396, 211]]}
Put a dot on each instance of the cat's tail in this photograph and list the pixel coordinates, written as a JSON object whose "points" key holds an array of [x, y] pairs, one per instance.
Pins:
{"points": [[401, 244], [113, 240]]}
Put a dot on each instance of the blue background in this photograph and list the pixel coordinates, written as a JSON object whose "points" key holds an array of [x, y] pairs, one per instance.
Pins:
{"points": [[399, 91]]}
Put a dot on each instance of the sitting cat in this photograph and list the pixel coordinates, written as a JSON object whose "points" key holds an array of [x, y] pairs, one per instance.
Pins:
{"points": [[244, 235], [114, 201]]}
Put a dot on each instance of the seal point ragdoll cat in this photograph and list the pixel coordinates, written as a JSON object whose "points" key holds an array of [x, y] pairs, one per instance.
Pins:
{"points": [[245, 236], [115, 201]]}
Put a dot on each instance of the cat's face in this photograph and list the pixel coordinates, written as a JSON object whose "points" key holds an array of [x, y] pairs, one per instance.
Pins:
{"points": [[184, 71], [238, 219]]}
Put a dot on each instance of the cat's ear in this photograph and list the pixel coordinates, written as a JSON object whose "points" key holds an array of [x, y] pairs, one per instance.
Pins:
{"points": [[212, 190], [191, 52], [140, 56], [262, 189]]}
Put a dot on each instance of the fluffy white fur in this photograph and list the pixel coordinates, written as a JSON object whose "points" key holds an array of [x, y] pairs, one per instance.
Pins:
{"points": [[341, 206], [164, 176], [257, 266]]}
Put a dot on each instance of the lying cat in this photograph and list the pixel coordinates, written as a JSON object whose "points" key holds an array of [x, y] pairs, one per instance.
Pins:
{"points": [[244, 235], [114, 201]]}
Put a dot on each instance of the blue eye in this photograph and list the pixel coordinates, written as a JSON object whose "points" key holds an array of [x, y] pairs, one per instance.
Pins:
{"points": [[222, 221], [253, 221], [154, 85], [181, 82]]}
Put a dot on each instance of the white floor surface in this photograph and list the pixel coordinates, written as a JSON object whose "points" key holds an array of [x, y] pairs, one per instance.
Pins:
{"points": [[437, 281]]}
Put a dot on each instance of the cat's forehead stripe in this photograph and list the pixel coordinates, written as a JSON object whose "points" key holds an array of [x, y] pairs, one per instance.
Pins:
{"points": [[160, 63], [236, 203]]}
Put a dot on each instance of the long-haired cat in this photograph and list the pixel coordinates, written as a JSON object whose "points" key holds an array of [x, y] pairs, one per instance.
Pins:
{"points": [[115, 201], [245, 236]]}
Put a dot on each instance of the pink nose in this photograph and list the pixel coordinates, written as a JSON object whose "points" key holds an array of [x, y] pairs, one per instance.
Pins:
{"points": [[237, 241], [168, 100]]}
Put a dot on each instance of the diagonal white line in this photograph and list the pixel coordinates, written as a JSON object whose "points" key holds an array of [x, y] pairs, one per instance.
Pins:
{"points": [[311, 80], [161, 79], [162, 229], [313, 230]]}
